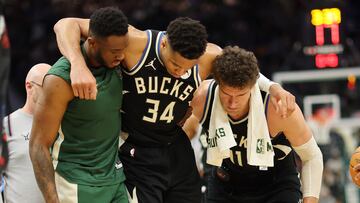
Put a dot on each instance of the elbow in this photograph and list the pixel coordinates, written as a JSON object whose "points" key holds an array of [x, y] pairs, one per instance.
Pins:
{"points": [[58, 25], [64, 23]]}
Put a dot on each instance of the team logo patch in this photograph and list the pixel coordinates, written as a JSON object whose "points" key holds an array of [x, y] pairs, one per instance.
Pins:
{"points": [[26, 136], [260, 146], [132, 152], [151, 64], [118, 165], [186, 75]]}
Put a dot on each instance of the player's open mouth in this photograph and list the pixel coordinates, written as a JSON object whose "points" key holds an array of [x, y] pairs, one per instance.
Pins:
{"points": [[116, 63]]}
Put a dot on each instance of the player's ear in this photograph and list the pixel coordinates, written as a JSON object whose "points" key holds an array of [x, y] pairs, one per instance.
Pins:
{"points": [[91, 41], [164, 42]]}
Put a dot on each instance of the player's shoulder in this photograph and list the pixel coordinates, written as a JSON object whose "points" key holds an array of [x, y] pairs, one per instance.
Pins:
{"points": [[201, 93], [137, 39], [137, 43], [206, 60], [279, 122], [199, 100], [212, 50]]}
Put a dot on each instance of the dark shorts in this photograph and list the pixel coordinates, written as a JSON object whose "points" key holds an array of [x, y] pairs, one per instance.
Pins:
{"points": [[286, 190], [165, 174]]}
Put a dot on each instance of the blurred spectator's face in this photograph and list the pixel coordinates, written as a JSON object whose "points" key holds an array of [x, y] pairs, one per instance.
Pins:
{"points": [[176, 65], [110, 51]]}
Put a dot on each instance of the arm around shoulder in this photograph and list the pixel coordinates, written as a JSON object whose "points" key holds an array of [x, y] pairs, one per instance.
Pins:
{"points": [[68, 33], [207, 59]]}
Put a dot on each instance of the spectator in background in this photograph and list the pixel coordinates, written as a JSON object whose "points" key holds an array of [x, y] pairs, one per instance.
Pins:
{"points": [[19, 178]]}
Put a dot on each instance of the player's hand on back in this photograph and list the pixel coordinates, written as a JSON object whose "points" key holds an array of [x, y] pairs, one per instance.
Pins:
{"points": [[82, 81], [283, 100]]}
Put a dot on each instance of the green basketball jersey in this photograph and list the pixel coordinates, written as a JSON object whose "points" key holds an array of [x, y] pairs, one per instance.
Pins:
{"points": [[85, 151]]}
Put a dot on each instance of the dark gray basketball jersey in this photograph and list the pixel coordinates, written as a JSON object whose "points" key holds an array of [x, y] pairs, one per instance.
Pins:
{"points": [[153, 100], [250, 177]]}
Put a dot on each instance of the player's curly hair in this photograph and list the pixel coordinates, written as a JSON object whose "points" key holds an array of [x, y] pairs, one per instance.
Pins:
{"points": [[236, 67], [108, 21], [187, 37]]}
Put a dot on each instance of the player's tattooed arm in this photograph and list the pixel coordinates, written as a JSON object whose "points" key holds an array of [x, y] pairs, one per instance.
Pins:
{"points": [[44, 173], [49, 110]]}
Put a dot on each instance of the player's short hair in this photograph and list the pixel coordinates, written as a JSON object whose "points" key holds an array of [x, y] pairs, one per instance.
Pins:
{"points": [[187, 37], [108, 21], [236, 67]]}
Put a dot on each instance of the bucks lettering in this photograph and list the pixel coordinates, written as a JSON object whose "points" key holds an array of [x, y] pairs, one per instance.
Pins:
{"points": [[166, 86]]}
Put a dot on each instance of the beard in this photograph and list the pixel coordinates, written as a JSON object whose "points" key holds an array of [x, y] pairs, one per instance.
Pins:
{"points": [[99, 59]]}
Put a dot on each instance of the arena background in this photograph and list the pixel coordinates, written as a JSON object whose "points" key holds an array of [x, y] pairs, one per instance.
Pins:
{"points": [[278, 31]]}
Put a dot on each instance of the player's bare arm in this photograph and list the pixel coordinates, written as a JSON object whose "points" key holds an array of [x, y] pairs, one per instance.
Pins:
{"points": [[283, 101], [197, 104], [300, 137], [206, 60], [55, 96], [68, 32]]}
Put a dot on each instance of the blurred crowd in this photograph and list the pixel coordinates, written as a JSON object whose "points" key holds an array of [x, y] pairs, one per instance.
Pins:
{"points": [[275, 30]]}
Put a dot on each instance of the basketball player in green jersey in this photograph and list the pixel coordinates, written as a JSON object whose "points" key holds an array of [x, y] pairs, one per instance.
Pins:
{"points": [[83, 135]]}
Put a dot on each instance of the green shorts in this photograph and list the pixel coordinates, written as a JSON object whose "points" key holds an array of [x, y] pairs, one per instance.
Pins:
{"points": [[75, 193]]}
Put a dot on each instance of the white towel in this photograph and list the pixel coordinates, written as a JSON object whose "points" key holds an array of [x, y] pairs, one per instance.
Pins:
{"points": [[259, 148], [221, 137]]}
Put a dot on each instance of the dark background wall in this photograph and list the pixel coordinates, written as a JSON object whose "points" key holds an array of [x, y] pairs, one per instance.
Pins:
{"points": [[270, 28]]}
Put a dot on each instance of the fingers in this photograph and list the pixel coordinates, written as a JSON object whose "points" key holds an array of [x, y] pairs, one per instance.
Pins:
{"points": [[283, 106], [87, 91], [90, 91], [93, 91], [291, 103], [75, 90], [280, 106], [83, 82], [93, 94], [275, 104]]}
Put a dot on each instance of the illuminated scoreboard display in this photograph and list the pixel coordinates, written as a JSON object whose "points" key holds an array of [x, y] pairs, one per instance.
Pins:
{"points": [[327, 44]]}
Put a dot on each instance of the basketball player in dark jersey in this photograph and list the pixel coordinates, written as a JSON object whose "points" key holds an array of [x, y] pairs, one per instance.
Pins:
{"points": [[235, 180], [161, 72]]}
